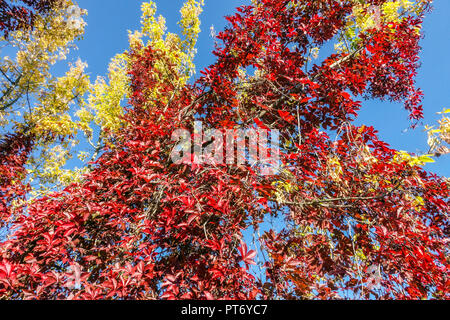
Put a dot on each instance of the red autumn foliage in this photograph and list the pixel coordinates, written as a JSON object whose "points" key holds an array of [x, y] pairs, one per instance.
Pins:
{"points": [[16, 15], [14, 152], [141, 227]]}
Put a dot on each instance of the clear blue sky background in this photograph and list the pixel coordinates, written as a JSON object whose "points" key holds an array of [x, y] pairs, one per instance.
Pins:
{"points": [[109, 20]]}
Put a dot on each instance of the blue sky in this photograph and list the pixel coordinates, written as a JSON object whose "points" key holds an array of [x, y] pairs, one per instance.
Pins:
{"points": [[109, 20]]}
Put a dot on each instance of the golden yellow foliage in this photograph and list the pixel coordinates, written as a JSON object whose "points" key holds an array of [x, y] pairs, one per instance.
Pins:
{"points": [[439, 137], [60, 110], [35, 101]]}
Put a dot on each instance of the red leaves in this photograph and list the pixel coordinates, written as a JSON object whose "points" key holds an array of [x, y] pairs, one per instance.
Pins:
{"points": [[305, 100], [15, 15], [286, 116], [392, 61], [171, 287], [5, 270], [345, 95], [141, 227], [14, 153], [247, 256], [260, 124]]}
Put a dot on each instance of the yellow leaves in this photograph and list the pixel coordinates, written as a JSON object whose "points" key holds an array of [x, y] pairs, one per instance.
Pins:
{"points": [[51, 117], [285, 186], [152, 27], [55, 125], [83, 156], [359, 254], [391, 10], [179, 52], [61, 92], [48, 170], [365, 157], [279, 196], [48, 42], [29, 74], [37, 100], [367, 16], [86, 117], [439, 138], [105, 100], [335, 169], [373, 181], [314, 53], [190, 24], [135, 39], [417, 202], [403, 156], [75, 21]]}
